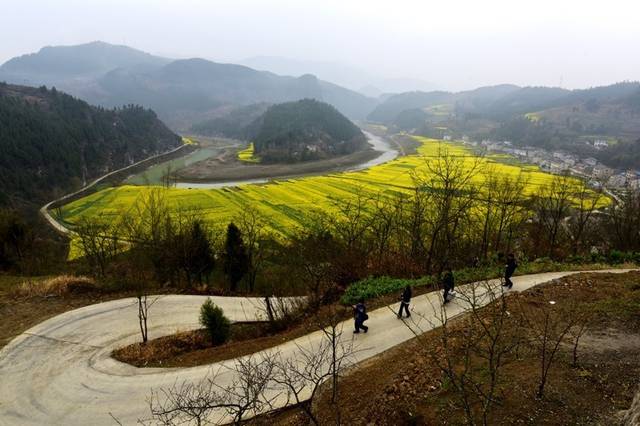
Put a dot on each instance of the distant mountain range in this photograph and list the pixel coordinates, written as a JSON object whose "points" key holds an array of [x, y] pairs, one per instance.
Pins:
{"points": [[182, 92], [548, 117], [354, 78], [214, 98], [501, 102]]}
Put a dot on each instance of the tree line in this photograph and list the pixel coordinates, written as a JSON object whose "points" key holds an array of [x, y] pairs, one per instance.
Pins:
{"points": [[459, 214]]}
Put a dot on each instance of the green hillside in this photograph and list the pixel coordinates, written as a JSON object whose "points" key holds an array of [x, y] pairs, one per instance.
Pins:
{"points": [[303, 130], [51, 143]]}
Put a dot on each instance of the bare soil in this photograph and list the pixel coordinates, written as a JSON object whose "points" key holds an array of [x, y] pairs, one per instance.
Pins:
{"points": [[226, 167], [403, 386], [192, 348]]}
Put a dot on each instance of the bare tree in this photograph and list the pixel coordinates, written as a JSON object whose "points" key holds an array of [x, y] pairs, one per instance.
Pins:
{"points": [[576, 334], [302, 375], [149, 228], [552, 206], [387, 212], [474, 348], [352, 218], [99, 243], [549, 327], [585, 204], [144, 304], [256, 240], [623, 221], [169, 177], [415, 223], [311, 257], [450, 181], [208, 403], [281, 312], [501, 207]]}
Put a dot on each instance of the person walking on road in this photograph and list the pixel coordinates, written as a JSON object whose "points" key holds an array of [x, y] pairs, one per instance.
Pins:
{"points": [[448, 284], [509, 269], [405, 299], [360, 316]]}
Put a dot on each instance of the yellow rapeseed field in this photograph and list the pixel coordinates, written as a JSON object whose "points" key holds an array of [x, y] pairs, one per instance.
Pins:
{"points": [[247, 155], [285, 203]]}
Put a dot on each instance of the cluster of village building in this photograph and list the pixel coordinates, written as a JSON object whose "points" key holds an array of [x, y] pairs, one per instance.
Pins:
{"points": [[562, 162]]}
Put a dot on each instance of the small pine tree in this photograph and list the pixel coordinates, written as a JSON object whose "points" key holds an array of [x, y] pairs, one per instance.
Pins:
{"points": [[236, 259], [213, 320]]}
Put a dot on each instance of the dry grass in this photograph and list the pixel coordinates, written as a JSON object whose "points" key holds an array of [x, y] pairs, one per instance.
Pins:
{"points": [[56, 286]]}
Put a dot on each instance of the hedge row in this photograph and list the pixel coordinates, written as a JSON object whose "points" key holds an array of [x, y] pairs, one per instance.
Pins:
{"points": [[372, 287]]}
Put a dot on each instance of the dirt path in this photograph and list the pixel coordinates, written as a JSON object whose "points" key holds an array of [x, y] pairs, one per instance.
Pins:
{"points": [[61, 371]]}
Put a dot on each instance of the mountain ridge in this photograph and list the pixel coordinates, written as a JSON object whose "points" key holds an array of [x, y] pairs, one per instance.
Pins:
{"points": [[181, 91]]}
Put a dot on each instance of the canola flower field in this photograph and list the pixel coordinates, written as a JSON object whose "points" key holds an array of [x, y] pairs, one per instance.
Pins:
{"points": [[246, 155], [284, 204]]}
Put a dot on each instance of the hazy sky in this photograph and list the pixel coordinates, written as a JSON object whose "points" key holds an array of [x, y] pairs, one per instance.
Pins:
{"points": [[454, 44]]}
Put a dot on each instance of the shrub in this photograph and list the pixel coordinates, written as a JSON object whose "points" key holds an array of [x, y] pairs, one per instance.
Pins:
{"points": [[616, 257], [370, 288], [213, 320]]}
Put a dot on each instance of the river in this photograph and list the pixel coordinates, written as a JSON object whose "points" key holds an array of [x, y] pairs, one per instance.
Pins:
{"points": [[387, 153]]}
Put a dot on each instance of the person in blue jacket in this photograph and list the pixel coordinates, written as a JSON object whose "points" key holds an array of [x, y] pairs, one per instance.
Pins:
{"points": [[360, 316]]}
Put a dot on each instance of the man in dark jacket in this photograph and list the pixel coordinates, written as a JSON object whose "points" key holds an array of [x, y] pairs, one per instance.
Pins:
{"points": [[405, 299], [448, 284], [509, 269], [360, 316]]}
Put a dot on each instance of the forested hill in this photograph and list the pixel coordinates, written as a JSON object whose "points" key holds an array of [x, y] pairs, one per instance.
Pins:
{"points": [[51, 143], [304, 130]]}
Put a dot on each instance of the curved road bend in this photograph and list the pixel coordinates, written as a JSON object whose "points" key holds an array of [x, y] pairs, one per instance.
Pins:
{"points": [[60, 372], [44, 210]]}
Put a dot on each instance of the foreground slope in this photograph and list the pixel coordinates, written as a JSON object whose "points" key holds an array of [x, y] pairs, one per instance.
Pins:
{"points": [[61, 372]]}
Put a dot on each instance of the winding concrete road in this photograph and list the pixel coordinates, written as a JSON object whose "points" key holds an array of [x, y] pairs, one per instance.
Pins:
{"points": [[59, 227], [60, 372]]}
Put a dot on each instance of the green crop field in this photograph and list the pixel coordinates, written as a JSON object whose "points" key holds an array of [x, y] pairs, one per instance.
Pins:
{"points": [[154, 174], [285, 203]]}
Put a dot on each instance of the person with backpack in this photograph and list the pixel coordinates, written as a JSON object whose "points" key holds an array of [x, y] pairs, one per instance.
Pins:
{"points": [[405, 299], [448, 284], [360, 316], [509, 269]]}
